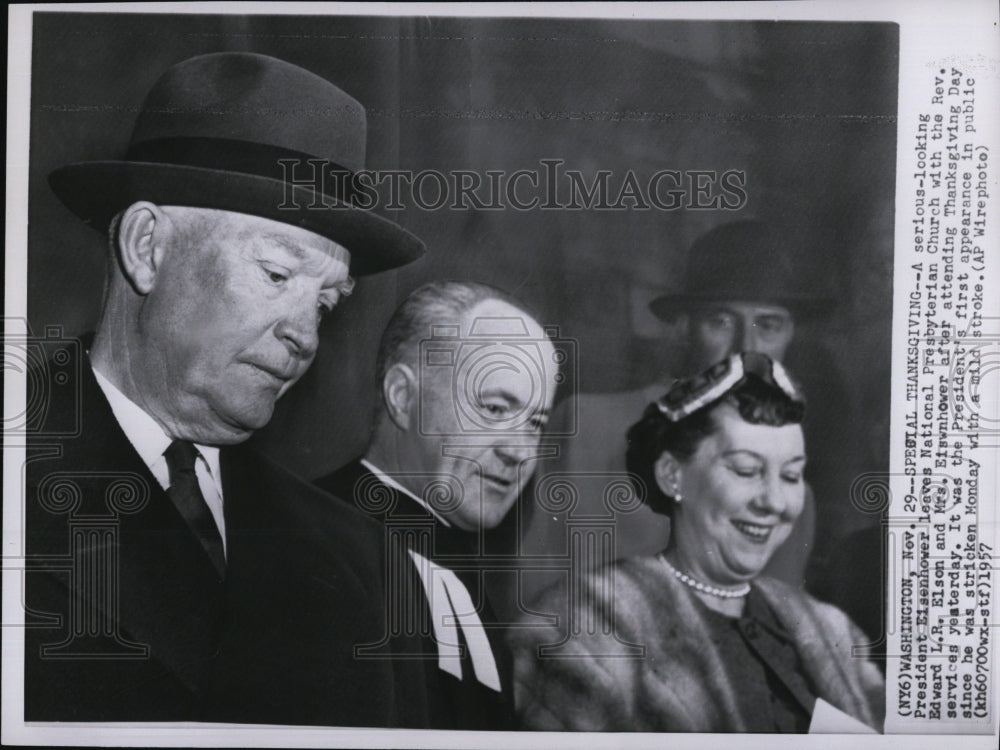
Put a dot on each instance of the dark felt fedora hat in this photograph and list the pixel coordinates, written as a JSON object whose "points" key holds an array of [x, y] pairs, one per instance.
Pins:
{"points": [[748, 261], [235, 131]]}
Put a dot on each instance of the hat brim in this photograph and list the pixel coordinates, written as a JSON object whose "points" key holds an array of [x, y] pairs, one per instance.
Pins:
{"points": [[96, 191], [670, 306]]}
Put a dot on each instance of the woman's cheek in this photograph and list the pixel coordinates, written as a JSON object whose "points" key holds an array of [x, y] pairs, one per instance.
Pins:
{"points": [[797, 500], [729, 493]]}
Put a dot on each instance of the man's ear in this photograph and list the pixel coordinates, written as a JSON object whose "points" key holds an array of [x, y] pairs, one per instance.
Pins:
{"points": [[144, 233], [668, 473], [399, 394]]}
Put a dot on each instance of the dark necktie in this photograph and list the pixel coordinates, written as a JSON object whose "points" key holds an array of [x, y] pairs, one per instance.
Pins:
{"points": [[186, 495]]}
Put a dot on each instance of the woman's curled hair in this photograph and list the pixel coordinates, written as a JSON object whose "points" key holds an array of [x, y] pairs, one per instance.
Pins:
{"points": [[756, 400]]}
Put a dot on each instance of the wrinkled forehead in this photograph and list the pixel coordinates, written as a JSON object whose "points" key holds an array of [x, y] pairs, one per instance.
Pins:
{"points": [[507, 348], [493, 318], [303, 244]]}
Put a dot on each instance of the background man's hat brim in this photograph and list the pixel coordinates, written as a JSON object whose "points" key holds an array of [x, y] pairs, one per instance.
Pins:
{"points": [[670, 306], [749, 261], [96, 191]]}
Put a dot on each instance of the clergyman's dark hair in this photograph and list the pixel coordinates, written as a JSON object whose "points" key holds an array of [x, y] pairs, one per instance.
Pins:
{"points": [[434, 304]]}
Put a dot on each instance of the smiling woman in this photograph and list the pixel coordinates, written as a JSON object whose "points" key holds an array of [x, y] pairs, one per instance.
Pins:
{"points": [[726, 648], [740, 465]]}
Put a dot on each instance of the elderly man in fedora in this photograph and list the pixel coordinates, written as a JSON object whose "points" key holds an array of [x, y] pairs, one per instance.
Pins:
{"points": [[176, 575], [745, 289]]}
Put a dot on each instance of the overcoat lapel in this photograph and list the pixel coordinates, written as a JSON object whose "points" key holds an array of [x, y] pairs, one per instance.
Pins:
{"points": [[448, 702], [167, 591], [304, 590]]}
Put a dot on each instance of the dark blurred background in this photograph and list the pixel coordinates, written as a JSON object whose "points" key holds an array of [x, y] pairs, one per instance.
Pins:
{"points": [[806, 110]]}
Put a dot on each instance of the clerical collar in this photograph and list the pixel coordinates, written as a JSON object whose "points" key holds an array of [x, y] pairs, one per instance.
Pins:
{"points": [[388, 480]]}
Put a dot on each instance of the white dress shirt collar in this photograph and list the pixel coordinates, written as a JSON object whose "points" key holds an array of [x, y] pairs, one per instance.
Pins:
{"points": [[150, 442]]}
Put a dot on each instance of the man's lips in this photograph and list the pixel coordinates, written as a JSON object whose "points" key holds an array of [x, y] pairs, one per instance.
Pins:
{"points": [[274, 372], [502, 482], [757, 533]]}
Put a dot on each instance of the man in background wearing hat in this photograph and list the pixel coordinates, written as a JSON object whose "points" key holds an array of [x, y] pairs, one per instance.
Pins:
{"points": [[745, 290], [186, 578]]}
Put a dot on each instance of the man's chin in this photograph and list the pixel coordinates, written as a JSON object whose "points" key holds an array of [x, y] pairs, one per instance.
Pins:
{"points": [[488, 518], [493, 519], [236, 428]]}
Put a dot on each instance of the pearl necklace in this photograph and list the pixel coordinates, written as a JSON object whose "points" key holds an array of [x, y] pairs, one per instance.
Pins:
{"points": [[704, 587]]}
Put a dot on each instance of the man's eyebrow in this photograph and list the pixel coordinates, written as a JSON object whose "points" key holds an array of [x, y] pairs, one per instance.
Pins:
{"points": [[502, 393], [715, 309], [291, 247], [344, 286], [512, 399]]}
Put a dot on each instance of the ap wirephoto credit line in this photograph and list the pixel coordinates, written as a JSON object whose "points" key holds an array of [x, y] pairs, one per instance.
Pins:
{"points": [[942, 504], [468, 376]]}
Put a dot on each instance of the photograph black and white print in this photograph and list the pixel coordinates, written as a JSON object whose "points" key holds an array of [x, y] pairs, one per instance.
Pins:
{"points": [[378, 375]]}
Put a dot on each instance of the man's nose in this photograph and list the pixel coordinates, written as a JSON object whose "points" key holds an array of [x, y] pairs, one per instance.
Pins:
{"points": [[515, 449], [299, 331], [748, 338]]}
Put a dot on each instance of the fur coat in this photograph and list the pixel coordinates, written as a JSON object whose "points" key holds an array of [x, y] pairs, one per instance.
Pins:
{"points": [[639, 657]]}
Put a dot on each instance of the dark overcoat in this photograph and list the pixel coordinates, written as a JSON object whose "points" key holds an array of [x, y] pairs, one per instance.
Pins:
{"points": [[127, 619]]}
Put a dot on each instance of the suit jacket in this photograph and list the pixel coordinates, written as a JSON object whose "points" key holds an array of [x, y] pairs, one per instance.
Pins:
{"points": [[127, 619], [429, 697]]}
